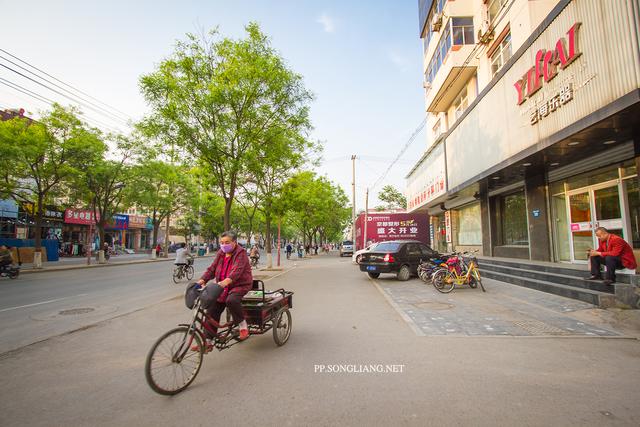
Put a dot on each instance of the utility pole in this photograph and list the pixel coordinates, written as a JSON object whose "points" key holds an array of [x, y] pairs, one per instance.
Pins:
{"points": [[353, 198], [366, 216]]}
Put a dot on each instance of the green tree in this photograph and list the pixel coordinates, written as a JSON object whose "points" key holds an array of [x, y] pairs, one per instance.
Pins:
{"points": [[317, 207], [106, 179], [220, 99], [392, 198], [39, 159]]}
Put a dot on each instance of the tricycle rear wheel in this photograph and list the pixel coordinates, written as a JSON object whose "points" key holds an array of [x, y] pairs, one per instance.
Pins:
{"points": [[282, 327]]}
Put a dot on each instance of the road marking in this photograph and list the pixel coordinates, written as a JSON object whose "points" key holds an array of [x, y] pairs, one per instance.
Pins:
{"points": [[279, 274], [40, 303]]}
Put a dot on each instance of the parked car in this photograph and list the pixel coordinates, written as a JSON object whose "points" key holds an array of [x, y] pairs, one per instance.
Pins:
{"points": [[401, 257], [357, 255], [346, 248]]}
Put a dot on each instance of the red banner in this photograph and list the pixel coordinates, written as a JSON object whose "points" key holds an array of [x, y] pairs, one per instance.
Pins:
{"points": [[392, 226], [79, 216]]}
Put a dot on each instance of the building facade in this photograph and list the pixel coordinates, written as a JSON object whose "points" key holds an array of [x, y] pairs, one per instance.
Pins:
{"points": [[533, 122]]}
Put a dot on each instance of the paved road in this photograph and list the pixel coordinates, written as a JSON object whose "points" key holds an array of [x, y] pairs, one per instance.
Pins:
{"points": [[95, 377]]}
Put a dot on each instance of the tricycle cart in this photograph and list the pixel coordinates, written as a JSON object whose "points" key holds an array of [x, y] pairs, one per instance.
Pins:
{"points": [[176, 357]]}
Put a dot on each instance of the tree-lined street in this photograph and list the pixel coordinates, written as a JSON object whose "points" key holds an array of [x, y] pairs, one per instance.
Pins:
{"points": [[339, 317]]}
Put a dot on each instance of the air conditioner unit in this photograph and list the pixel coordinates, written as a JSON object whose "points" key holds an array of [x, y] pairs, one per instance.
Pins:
{"points": [[436, 22], [426, 85], [485, 33]]}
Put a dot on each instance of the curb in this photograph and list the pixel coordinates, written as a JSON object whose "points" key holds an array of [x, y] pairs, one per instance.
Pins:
{"points": [[84, 266]]}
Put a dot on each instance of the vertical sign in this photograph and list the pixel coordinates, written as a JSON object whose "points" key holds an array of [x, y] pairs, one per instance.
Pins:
{"points": [[447, 225]]}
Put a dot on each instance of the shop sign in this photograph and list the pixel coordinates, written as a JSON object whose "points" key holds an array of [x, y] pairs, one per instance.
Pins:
{"points": [[50, 212], [8, 209], [447, 225], [137, 221], [547, 63], [75, 216], [119, 222], [428, 181], [148, 224]]}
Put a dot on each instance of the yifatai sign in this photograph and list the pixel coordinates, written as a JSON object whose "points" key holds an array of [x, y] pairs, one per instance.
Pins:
{"points": [[547, 64]]}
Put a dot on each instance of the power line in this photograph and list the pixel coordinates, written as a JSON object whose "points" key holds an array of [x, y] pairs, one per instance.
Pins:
{"points": [[67, 84], [48, 101], [110, 114], [52, 90], [406, 146]]}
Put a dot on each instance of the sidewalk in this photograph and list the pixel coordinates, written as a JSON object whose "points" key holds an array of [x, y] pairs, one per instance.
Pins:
{"points": [[74, 263]]}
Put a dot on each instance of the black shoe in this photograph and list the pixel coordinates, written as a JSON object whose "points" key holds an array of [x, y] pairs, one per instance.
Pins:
{"points": [[609, 282], [593, 277]]}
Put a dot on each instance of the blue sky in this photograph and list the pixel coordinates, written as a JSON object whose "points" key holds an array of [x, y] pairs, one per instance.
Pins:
{"points": [[362, 59]]}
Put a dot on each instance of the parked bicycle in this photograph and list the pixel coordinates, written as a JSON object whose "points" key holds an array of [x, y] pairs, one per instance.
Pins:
{"points": [[180, 271], [430, 266], [458, 272]]}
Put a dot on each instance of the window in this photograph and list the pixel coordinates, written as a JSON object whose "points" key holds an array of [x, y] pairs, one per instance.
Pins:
{"points": [[494, 8], [462, 30], [513, 211], [464, 35], [427, 252], [501, 55], [469, 225], [387, 247], [461, 103]]}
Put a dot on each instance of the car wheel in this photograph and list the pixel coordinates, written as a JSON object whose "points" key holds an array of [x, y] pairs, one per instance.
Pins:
{"points": [[374, 275], [404, 274]]}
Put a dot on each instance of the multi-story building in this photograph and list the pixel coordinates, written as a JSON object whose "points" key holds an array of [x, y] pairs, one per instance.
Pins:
{"points": [[533, 125]]}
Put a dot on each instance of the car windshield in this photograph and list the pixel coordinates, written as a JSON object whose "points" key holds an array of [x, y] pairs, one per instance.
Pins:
{"points": [[347, 242], [387, 247]]}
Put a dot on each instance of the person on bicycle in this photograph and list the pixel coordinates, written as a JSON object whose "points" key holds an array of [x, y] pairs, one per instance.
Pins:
{"points": [[230, 270], [6, 258], [254, 254], [182, 255]]}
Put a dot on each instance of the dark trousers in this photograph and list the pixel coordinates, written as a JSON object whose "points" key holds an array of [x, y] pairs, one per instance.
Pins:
{"points": [[612, 263], [233, 305]]}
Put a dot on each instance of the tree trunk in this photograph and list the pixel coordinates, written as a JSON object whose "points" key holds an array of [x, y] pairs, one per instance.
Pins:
{"points": [[38, 212], [166, 238], [267, 220], [227, 213]]}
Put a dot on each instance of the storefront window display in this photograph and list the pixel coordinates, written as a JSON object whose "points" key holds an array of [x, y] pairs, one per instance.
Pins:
{"points": [[469, 225]]}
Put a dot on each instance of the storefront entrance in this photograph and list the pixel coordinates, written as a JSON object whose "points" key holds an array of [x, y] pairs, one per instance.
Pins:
{"points": [[592, 207]]}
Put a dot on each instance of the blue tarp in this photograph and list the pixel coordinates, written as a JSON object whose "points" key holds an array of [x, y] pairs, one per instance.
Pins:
{"points": [[51, 245]]}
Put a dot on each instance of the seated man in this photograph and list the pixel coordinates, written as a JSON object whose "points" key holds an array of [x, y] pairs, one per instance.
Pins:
{"points": [[613, 252], [5, 256]]}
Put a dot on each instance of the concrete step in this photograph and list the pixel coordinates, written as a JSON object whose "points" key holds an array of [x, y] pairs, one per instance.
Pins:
{"points": [[562, 279], [554, 268], [599, 299]]}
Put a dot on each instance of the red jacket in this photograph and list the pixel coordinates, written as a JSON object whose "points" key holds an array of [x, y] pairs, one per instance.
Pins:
{"points": [[616, 246], [240, 273]]}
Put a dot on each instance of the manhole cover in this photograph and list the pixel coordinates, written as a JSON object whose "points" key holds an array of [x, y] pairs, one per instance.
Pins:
{"points": [[535, 327], [76, 311], [432, 305]]}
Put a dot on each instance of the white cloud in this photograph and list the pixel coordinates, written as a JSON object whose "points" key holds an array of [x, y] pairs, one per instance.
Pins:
{"points": [[327, 23]]}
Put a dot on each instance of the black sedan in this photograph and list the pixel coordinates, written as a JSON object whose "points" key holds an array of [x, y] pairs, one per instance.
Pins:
{"points": [[401, 257]]}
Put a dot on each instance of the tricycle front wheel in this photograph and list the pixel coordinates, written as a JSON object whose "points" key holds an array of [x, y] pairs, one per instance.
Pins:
{"points": [[174, 361], [282, 327]]}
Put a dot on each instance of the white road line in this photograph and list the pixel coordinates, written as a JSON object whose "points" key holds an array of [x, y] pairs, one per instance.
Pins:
{"points": [[40, 303]]}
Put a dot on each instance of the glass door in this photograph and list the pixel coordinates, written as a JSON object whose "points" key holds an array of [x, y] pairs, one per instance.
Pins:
{"points": [[596, 206], [581, 225]]}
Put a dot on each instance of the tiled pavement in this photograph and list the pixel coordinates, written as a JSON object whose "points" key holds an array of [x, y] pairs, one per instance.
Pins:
{"points": [[504, 310]]}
